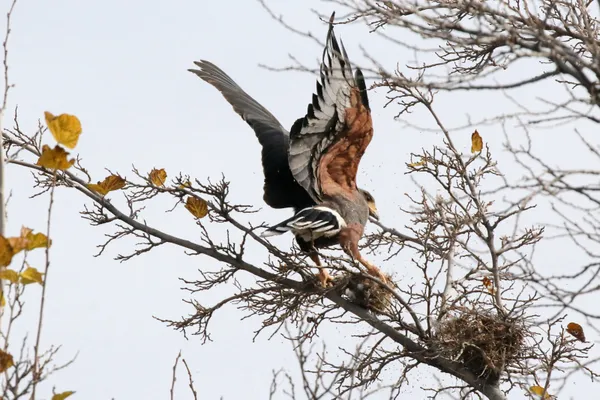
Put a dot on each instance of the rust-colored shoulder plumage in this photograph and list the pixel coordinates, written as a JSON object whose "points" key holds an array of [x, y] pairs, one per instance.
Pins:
{"points": [[339, 164], [326, 145]]}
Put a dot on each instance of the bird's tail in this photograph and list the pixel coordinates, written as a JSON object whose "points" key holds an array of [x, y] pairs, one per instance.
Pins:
{"points": [[280, 228], [274, 231], [319, 221]]}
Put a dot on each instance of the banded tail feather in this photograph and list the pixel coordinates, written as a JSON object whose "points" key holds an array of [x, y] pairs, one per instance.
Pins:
{"points": [[310, 223]]}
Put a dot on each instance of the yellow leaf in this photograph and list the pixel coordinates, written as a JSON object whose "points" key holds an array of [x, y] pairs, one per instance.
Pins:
{"points": [[55, 158], [9, 275], [576, 330], [418, 164], [6, 361], [158, 177], [37, 240], [31, 275], [185, 184], [538, 391], [476, 142], [63, 395], [28, 240], [2, 299], [19, 243], [196, 206], [65, 128], [110, 183], [6, 252]]}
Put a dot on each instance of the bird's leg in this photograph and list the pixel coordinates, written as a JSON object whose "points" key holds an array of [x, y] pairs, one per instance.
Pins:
{"points": [[323, 275], [351, 247], [371, 269]]}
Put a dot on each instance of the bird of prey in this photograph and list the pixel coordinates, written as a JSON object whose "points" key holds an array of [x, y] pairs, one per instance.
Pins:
{"points": [[312, 168]]}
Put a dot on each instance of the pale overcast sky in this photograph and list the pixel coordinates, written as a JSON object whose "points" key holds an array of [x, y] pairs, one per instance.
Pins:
{"points": [[120, 66]]}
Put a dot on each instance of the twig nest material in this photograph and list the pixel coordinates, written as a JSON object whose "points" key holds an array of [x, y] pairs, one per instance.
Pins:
{"points": [[365, 292], [483, 341]]}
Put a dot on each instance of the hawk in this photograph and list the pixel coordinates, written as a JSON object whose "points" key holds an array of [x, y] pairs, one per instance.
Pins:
{"points": [[312, 168]]}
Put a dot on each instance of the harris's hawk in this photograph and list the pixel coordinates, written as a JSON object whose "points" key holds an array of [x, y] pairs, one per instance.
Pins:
{"points": [[312, 168]]}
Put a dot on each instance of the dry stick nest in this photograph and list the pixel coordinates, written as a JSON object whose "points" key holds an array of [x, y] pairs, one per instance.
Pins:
{"points": [[483, 341], [365, 292]]}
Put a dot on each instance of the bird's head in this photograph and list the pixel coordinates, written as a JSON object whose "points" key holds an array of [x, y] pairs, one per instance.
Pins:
{"points": [[371, 203]]}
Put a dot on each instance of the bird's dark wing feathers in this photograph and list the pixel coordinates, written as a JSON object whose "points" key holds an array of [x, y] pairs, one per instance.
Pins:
{"points": [[248, 108], [281, 189]]}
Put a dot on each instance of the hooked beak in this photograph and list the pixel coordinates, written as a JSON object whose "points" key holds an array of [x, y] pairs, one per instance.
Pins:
{"points": [[373, 212]]}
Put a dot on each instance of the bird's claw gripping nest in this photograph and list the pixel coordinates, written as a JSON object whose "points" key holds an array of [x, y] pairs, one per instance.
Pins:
{"points": [[325, 279]]}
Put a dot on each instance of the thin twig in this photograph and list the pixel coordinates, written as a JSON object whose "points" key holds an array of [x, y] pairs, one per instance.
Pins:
{"points": [[36, 366], [174, 378], [190, 380], [2, 155]]}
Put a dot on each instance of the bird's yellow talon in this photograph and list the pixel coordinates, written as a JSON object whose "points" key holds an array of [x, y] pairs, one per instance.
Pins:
{"points": [[376, 272], [325, 278]]}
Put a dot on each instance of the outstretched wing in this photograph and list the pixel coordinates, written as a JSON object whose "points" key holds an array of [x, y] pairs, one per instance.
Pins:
{"points": [[281, 189], [328, 143]]}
